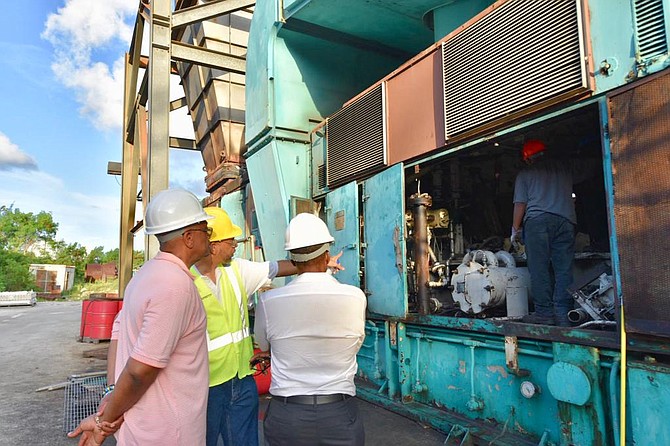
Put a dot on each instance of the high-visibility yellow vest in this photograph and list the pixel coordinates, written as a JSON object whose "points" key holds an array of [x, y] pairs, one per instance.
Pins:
{"points": [[228, 338]]}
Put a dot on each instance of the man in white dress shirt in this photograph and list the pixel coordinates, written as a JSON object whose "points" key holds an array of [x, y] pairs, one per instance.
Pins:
{"points": [[314, 327]]}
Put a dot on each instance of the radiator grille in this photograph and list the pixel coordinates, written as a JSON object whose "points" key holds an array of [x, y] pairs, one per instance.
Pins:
{"points": [[321, 169], [520, 54], [650, 28], [640, 131], [356, 139]]}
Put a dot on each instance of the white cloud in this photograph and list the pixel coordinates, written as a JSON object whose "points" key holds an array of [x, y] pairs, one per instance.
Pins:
{"points": [[84, 25], [76, 31], [82, 32], [11, 156], [90, 220], [186, 171]]}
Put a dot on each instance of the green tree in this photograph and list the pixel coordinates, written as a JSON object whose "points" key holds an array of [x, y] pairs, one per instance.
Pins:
{"points": [[97, 255], [111, 256], [71, 254], [138, 259], [27, 238], [15, 271], [26, 232]]}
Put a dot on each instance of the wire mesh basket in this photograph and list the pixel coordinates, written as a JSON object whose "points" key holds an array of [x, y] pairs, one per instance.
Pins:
{"points": [[82, 397]]}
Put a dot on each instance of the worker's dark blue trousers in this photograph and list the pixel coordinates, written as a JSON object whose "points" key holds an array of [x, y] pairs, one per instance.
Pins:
{"points": [[550, 249], [232, 412], [332, 424]]}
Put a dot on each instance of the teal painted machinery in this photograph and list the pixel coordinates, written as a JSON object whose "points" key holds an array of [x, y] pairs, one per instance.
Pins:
{"points": [[400, 124]]}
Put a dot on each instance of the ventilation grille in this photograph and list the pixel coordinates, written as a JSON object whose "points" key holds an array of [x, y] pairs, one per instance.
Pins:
{"points": [[356, 139], [321, 180], [520, 54], [650, 28]]}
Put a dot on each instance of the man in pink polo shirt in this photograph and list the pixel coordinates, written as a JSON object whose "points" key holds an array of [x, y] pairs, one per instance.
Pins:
{"points": [[161, 367]]}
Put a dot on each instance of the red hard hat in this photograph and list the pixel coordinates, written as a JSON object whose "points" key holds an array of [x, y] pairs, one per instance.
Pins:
{"points": [[532, 147]]}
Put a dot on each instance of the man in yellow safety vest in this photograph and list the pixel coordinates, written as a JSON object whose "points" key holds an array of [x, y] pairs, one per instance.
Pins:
{"points": [[224, 285]]}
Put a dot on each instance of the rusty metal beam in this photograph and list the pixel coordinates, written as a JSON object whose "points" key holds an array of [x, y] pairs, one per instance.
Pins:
{"points": [[182, 143], [206, 11], [209, 58], [178, 103], [130, 166]]}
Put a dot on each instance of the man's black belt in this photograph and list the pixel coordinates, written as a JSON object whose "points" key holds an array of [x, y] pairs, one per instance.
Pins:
{"points": [[312, 399]]}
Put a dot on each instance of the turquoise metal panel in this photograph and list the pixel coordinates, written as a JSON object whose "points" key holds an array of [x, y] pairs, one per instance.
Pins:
{"points": [[585, 424], [306, 87], [233, 204], [398, 24], [291, 6], [342, 219], [384, 216], [289, 78], [568, 383], [612, 42], [454, 14], [258, 74], [277, 171], [466, 373], [371, 356], [391, 358], [405, 363], [648, 397]]}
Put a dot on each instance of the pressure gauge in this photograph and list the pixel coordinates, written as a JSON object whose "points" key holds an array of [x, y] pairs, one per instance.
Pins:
{"points": [[528, 389]]}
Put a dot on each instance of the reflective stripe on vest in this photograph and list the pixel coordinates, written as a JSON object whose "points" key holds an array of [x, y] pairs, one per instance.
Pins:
{"points": [[228, 335], [228, 338]]}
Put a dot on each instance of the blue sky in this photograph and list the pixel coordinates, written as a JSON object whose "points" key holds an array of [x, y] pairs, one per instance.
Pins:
{"points": [[60, 119]]}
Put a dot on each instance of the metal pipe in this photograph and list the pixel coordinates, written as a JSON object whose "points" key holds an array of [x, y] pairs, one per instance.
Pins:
{"points": [[588, 324], [420, 203], [475, 404], [545, 439], [468, 343], [577, 316], [418, 387]]}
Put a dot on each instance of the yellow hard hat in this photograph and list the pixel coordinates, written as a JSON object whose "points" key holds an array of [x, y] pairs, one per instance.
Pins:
{"points": [[222, 227]]}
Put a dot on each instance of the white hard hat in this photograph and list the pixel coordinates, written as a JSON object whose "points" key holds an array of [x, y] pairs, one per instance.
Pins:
{"points": [[172, 209], [306, 230]]}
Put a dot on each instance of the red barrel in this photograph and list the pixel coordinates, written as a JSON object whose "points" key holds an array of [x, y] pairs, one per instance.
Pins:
{"points": [[262, 378], [97, 319]]}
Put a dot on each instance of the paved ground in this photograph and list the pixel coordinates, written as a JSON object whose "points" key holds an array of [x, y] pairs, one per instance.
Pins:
{"points": [[39, 347]]}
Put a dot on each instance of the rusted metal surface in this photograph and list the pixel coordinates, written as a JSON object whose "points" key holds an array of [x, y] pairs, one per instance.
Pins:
{"points": [[587, 423], [512, 356], [640, 144], [594, 338], [223, 172], [100, 271], [216, 98]]}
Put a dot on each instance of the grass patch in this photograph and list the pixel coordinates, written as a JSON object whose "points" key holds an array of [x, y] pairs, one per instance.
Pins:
{"points": [[82, 291]]}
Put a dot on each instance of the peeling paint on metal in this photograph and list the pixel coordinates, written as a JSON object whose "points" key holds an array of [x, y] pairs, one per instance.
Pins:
{"points": [[520, 429], [498, 369]]}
